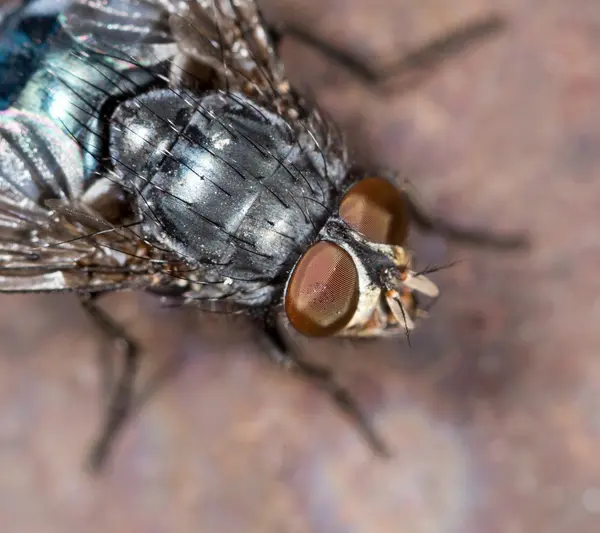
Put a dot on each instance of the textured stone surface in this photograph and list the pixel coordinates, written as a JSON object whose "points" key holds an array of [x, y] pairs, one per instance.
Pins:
{"points": [[493, 415]]}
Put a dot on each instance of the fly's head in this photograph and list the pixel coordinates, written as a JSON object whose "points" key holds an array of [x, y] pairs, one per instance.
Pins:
{"points": [[357, 279]]}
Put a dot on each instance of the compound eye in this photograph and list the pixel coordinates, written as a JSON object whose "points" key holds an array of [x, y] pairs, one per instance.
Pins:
{"points": [[378, 210], [322, 294]]}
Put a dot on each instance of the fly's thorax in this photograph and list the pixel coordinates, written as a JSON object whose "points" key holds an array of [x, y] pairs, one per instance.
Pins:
{"points": [[224, 182], [357, 278]]}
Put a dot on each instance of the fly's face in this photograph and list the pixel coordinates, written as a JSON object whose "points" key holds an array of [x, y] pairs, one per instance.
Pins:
{"points": [[358, 279]]}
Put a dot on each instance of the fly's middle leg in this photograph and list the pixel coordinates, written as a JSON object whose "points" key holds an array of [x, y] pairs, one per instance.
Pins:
{"points": [[281, 353], [413, 66], [473, 236], [119, 402]]}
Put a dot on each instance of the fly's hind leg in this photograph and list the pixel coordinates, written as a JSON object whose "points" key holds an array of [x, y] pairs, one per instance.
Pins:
{"points": [[414, 65], [281, 353], [120, 398], [472, 236]]}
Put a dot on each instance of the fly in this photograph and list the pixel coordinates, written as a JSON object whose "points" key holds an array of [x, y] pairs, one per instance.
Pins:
{"points": [[156, 145]]}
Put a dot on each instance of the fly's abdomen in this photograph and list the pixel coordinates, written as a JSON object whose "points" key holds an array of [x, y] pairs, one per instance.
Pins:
{"points": [[62, 95], [78, 92], [23, 45], [38, 161]]}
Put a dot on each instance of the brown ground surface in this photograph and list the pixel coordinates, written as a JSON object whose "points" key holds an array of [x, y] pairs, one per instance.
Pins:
{"points": [[493, 415]]}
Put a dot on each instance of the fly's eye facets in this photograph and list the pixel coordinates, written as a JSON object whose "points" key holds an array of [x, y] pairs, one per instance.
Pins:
{"points": [[377, 209], [322, 294]]}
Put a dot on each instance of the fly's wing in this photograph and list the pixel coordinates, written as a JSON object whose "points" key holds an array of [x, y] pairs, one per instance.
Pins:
{"points": [[63, 249], [229, 37], [43, 251], [31, 259], [225, 38], [47, 241], [133, 30]]}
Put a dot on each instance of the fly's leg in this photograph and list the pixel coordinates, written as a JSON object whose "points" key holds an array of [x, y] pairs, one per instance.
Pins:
{"points": [[120, 399], [473, 236], [413, 65], [283, 355]]}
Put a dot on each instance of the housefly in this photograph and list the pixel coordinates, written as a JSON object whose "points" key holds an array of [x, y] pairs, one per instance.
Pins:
{"points": [[157, 145]]}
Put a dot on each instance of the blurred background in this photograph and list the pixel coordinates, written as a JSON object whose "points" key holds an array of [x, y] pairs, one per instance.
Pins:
{"points": [[493, 415]]}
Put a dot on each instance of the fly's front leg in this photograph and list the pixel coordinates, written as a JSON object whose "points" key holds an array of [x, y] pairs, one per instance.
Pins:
{"points": [[473, 236], [120, 399], [282, 354], [412, 66]]}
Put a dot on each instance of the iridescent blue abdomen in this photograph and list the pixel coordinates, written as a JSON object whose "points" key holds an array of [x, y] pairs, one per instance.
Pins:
{"points": [[24, 35]]}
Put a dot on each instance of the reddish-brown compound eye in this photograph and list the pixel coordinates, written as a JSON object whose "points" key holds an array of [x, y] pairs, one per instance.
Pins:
{"points": [[378, 210], [322, 294]]}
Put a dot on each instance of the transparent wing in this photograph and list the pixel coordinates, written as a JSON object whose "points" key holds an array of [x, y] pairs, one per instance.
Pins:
{"points": [[41, 250], [47, 242], [229, 36], [135, 30], [226, 36]]}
